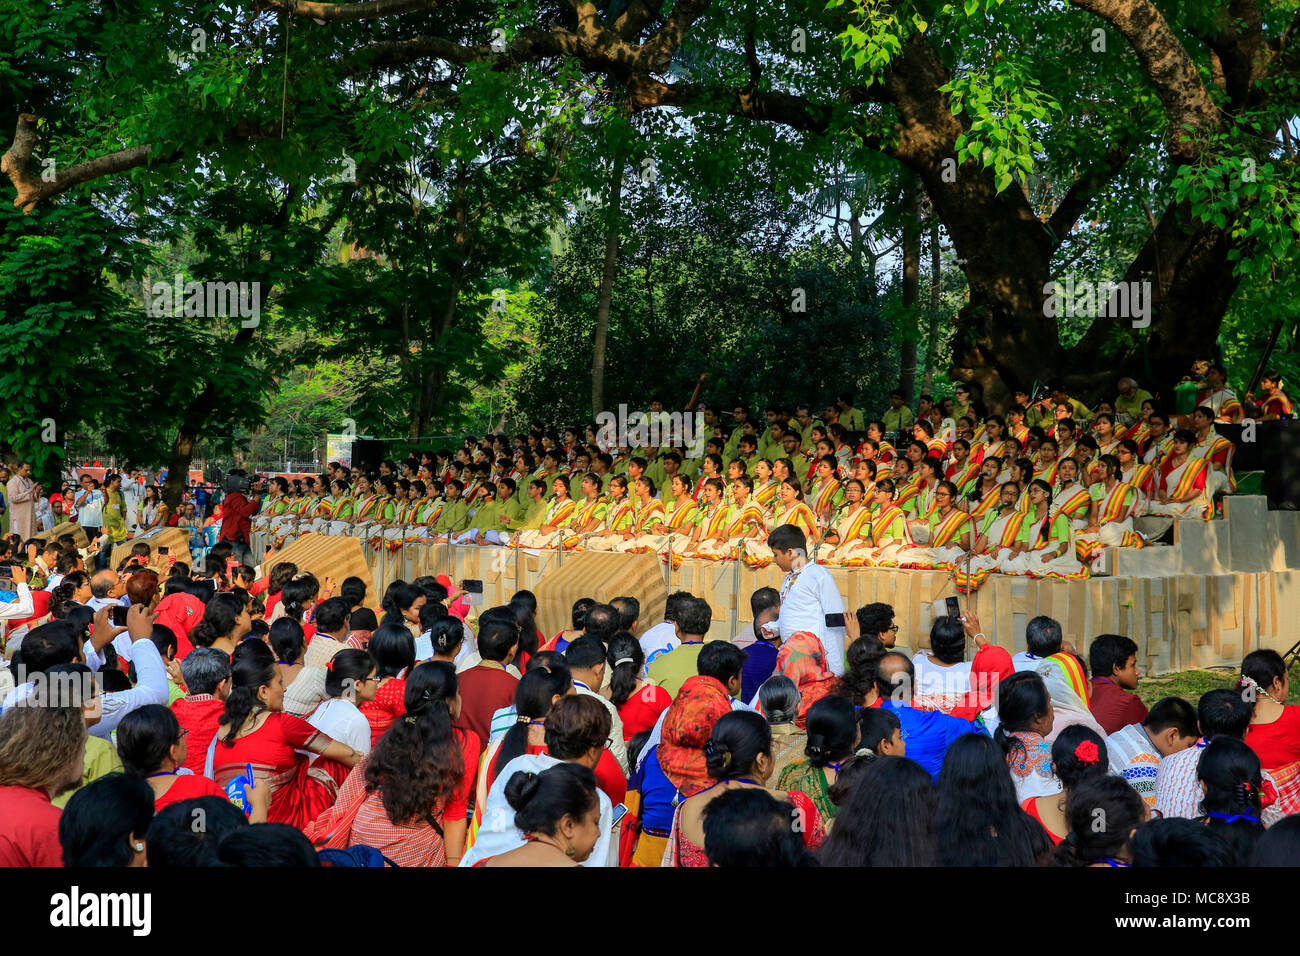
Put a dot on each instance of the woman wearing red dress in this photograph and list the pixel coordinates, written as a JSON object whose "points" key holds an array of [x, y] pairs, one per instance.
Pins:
{"points": [[256, 731], [409, 798], [1274, 732], [639, 702], [151, 743], [393, 649]]}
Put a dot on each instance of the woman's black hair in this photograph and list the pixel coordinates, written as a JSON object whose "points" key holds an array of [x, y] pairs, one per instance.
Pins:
{"points": [[542, 800], [739, 738], [1280, 844], [393, 649], [1022, 699], [345, 670], [888, 819], [1263, 667], [173, 840], [398, 598], [978, 819], [1071, 768], [287, 640], [524, 606], [267, 844], [626, 658], [779, 698], [61, 602], [948, 640], [446, 634], [859, 680], [145, 737], [832, 731], [748, 827], [252, 667], [97, 826], [534, 697], [417, 763], [218, 621], [296, 594], [1231, 774], [1101, 813], [1177, 842], [876, 724], [352, 590]]}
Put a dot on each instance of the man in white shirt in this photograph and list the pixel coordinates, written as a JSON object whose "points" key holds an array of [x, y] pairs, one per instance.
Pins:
{"points": [[662, 638], [586, 660], [1043, 639], [809, 599]]}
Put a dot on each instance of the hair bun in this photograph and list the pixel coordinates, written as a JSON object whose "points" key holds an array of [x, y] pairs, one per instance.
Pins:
{"points": [[521, 788]]}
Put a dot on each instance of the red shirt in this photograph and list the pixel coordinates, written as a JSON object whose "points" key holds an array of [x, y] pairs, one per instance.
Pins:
{"points": [[388, 705], [236, 518], [484, 689], [1277, 744], [641, 711], [187, 787], [29, 828], [1114, 707], [200, 714]]}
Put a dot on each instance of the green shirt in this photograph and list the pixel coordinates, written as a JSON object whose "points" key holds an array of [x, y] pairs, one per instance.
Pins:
{"points": [[514, 514], [897, 419], [454, 517], [532, 519], [1131, 404], [485, 519], [673, 669], [852, 420], [114, 517], [101, 759]]}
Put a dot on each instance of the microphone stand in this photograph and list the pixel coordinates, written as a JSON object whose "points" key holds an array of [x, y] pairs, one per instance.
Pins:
{"points": [[830, 523]]}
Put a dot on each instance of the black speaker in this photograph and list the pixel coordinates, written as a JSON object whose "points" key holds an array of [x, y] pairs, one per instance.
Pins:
{"points": [[367, 454], [1278, 444], [1249, 455]]}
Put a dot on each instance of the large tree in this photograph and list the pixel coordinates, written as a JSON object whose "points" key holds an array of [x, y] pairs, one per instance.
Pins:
{"points": [[1123, 139]]}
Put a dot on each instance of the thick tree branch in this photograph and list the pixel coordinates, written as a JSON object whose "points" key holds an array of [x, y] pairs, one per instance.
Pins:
{"points": [[657, 53], [350, 11], [1080, 195], [633, 20], [1168, 67], [32, 189]]}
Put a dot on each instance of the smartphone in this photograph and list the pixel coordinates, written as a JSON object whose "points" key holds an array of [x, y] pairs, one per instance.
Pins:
{"points": [[119, 615], [834, 620], [954, 611], [163, 550], [619, 812], [473, 592], [231, 564]]}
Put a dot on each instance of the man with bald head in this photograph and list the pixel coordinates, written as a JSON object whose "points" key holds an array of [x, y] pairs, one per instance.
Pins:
{"points": [[927, 733], [107, 588]]}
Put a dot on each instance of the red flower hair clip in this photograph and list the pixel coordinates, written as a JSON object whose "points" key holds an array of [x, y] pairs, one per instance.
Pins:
{"points": [[1086, 752]]}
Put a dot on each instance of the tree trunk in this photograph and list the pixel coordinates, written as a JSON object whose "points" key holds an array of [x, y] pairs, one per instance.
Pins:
{"points": [[911, 284], [932, 340], [613, 227]]}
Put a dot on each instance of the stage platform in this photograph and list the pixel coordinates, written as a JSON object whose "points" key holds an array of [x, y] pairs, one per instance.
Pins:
{"points": [[1223, 589]]}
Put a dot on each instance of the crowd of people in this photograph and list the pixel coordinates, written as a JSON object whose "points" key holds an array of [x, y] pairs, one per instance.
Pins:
{"points": [[1044, 490], [162, 718]]}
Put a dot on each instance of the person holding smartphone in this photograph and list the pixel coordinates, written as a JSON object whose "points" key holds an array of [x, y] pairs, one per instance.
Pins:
{"points": [[809, 599]]}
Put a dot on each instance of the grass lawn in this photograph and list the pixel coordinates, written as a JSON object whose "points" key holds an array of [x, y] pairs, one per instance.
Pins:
{"points": [[1192, 684]]}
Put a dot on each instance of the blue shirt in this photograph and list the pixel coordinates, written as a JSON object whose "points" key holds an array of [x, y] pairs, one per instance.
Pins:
{"points": [[659, 798], [759, 666], [928, 733]]}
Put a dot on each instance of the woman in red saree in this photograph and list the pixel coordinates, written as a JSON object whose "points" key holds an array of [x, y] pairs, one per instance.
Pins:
{"points": [[393, 649], [1274, 731], [408, 799], [256, 731], [738, 754]]}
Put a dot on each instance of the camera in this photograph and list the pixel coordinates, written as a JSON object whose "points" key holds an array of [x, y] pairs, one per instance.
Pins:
{"points": [[235, 481]]}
